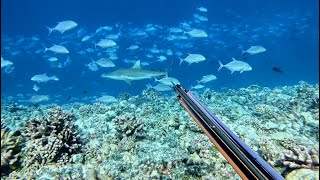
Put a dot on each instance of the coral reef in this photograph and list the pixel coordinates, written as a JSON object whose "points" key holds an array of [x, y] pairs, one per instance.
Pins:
{"points": [[127, 124], [301, 157], [150, 136], [14, 115], [10, 150], [50, 139], [127, 143], [303, 174]]}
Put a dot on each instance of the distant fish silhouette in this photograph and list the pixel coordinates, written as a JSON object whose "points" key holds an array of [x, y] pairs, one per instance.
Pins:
{"points": [[85, 92], [69, 97], [277, 69]]}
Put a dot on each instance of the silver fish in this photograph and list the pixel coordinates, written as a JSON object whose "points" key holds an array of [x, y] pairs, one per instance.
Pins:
{"points": [[44, 78], [93, 66], [197, 33], [57, 49], [39, 98], [236, 65], [35, 88], [5, 63], [207, 78], [103, 62], [167, 81], [63, 26], [193, 58], [254, 50], [107, 99], [133, 47], [85, 38], [160, 87], [52, 59], [202, 9], [106, 43], [161, 58], [199, 86]]}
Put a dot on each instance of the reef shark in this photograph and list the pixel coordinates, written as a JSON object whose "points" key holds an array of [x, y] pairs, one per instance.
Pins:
{"points": [[133, 74]]}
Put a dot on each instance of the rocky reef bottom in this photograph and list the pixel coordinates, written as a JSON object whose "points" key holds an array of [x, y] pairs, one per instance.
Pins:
{"points": [[150, 136]]}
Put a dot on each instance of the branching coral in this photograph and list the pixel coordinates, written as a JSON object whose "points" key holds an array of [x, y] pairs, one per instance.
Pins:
{"points": [[94, 109], [127, 143], [50, 139], [128, 125], [269, 151], [301, 157], [150, 94], [10, 149], [262, 109]]}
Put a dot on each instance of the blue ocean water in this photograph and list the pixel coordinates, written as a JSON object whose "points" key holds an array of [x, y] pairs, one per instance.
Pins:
{"points": [[288, 30], [69, 115]]}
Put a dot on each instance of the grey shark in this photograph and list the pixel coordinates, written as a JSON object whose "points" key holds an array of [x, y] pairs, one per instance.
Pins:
{"points": [[133, 74]]}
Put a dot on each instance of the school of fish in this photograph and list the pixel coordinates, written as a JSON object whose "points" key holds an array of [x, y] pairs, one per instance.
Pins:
{"points": [[113, 59]]}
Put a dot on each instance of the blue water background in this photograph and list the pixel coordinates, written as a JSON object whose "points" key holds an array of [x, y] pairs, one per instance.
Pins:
{"points": [[294, 52]]}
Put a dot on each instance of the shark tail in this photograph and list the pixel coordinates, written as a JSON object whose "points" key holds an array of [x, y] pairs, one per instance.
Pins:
{"points": [[184, 33], [181, 60], [45, 48], [50, 30], [155, 79], [221, 66], [55, 78], [169, 69]]}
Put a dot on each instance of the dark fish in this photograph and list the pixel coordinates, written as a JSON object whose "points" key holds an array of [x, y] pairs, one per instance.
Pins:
{"points": [[69, 97], [277, 69], [85, 92], [35, 105], [209, 96]]}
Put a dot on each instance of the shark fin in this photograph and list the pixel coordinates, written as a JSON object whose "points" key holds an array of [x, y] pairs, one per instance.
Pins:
{"points": [[128, 81], [50, 30], [136, 65], [149, 86]]}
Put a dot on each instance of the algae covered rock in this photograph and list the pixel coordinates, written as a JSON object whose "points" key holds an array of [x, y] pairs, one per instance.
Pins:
{"points": [[305, 174]]}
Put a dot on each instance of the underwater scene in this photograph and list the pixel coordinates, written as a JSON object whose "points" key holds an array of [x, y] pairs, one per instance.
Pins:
{"points": [[89, 88]]}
